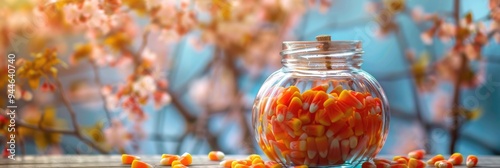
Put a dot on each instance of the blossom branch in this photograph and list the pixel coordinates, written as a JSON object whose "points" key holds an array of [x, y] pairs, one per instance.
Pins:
{"points": [[403, 44], [76, 126], [42, 118], [74, 132], [405, 115], [454, 130], [247, 133], [97, 79], [144, 43]]}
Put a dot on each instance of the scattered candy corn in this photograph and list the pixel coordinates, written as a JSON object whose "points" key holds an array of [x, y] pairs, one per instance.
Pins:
{"points": [[456, 159], [434, 159], [395, 158], [415, 163], [471, 161], [443, 164], [140, 164], [256, 161], [128, 159], [417, 154], [226, 163], [186, 159], [215, 155], [176, 162], [401, 161]]}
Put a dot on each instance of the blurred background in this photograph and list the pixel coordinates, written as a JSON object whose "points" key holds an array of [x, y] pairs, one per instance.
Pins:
{"points": [[154, 76]]}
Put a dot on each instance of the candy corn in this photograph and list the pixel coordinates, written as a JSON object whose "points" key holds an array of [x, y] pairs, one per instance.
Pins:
{"points": [[456, 159], [226, 163], [324, 125], [417, 154], [215, 155], [434, 159], [140, 164], [128, 159], [471, 161], [415, 163], [443, 164], [186, 159]]}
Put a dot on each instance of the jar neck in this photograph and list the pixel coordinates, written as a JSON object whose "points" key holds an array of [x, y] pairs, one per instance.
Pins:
{"points": [[314, 55]]}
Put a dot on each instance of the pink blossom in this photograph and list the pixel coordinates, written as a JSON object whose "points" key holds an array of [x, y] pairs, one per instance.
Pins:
{"points": [[371, 7], [99, 20], [496, 36], [106, 90], [426, 37], [440, 107], [169, 35], [23, 94], [199, 90], [495, 10], [54, 150], [150, 4], [417, 14], [446, 31], [116, 135], [89, 7], [144, 86], [161, 99], [148, 55], [111, 102], [471, 52], [324, 5], [71, 13], [196, 43]]}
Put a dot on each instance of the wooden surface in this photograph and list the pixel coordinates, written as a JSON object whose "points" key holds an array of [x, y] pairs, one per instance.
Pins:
{"points": [[74, 161]]}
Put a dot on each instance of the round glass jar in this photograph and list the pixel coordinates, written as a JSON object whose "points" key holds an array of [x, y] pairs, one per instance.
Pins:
{"points": [[321, 108]]}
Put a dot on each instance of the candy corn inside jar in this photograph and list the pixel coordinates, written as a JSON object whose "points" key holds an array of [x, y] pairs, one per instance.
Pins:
{"points": [[321, 109]]}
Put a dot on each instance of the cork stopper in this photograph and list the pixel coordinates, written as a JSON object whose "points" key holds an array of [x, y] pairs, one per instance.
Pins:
{"points": [[324, 46], [323, 38]]}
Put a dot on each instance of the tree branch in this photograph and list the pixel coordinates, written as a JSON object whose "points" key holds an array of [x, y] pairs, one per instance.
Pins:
{"points": [[97, 79], [455, 128], [72, 114], [403, 45], [181, 107]]}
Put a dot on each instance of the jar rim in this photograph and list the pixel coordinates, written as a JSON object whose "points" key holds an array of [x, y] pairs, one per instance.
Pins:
{"points": [[295, 47]]}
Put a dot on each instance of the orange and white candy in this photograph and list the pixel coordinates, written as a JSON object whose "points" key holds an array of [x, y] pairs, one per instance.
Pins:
{"points": [[434, 159], [226, 163], [140, 164], [186, 159], [456, 159], [415, 163], [417, 154], [471, 161], [128, 159], [167, 159], [216, 155], [443, 164]]}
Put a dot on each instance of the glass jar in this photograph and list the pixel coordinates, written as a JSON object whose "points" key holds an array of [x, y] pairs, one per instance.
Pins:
{"points": [[321, 108]]}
